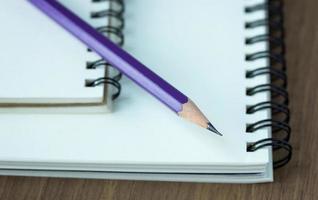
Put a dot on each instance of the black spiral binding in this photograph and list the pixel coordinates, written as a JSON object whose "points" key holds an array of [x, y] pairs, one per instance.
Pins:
{"points": [[277, 70], [113, 30]]}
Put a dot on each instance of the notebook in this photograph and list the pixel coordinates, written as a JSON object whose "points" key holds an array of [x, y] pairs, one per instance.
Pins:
{"points": [[227, 55], [43, 68]]}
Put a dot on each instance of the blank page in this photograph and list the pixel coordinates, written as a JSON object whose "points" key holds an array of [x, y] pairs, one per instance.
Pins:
{"points": [[199, 47], [39, 61]]}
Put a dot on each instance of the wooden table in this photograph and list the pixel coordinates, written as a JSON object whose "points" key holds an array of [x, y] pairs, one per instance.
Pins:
{"points": [[298, 180]]}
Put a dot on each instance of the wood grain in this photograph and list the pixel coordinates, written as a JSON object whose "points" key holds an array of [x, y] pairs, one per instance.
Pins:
{"points": [[298, 180]]}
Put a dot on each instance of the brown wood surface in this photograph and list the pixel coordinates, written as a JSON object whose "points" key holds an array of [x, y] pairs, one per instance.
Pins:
{"points": [[298, 180]]}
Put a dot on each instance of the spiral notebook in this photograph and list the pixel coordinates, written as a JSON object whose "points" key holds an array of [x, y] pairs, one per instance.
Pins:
{"points": [[43, 68], [228, 55]]}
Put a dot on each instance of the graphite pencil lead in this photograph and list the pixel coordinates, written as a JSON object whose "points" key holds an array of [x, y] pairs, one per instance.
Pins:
{"points": [[213, 129]]}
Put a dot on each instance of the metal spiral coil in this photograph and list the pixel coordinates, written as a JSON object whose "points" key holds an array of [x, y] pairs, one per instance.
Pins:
{"points": [[115, 32], [277, 70]]}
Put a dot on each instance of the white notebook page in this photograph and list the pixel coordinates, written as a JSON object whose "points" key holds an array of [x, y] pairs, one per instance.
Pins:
{"points": [[39, 61], [198, 46]]}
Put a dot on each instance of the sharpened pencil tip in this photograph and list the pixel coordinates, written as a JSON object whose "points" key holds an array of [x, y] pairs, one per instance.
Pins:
{"points": [[213, 129]]}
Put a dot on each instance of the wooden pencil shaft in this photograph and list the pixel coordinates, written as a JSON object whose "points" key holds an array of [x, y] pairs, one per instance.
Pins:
{"points": [[123, 61], [116, 56]]}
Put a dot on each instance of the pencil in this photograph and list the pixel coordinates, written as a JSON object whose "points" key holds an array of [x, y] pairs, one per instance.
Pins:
{"points": [[125, 63]]}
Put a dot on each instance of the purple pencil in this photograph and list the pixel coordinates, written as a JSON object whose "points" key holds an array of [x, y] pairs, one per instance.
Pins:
{"points": [[124, 62]]}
